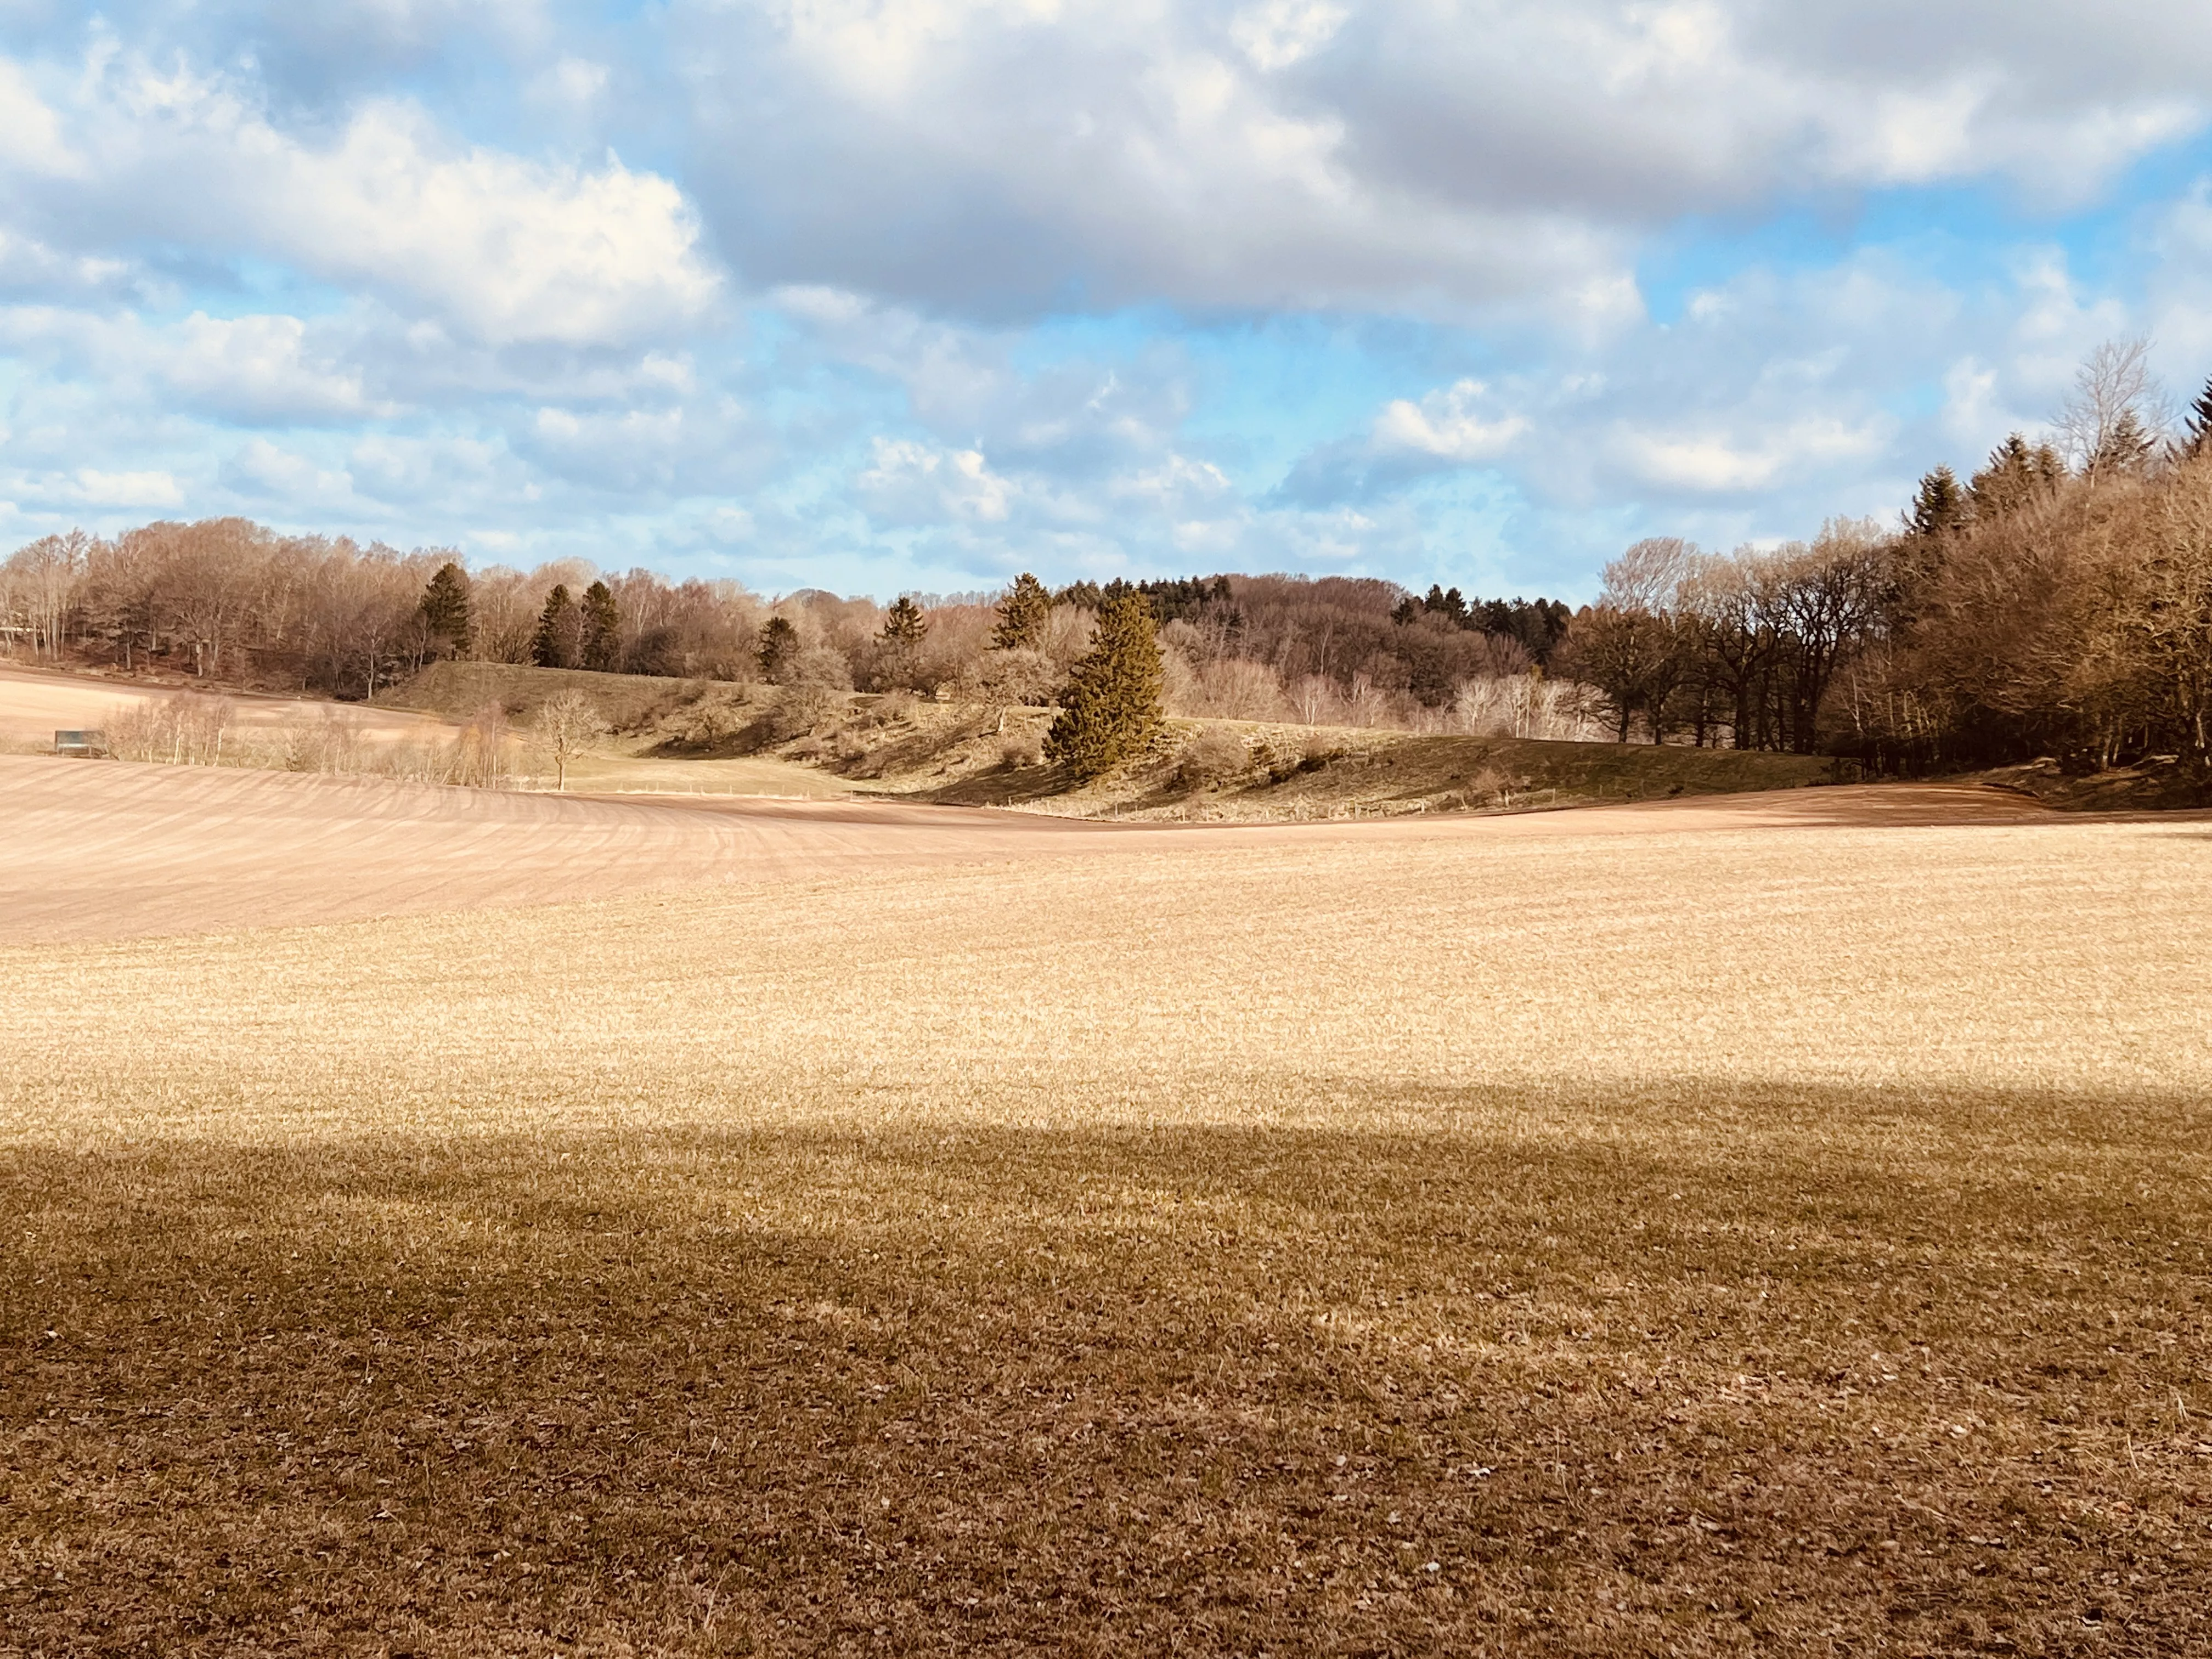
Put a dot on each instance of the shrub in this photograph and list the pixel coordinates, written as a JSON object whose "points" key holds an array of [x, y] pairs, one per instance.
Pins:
{"points": [[1017, 750], [1211, 759], [1027, 677], [799, 709]]}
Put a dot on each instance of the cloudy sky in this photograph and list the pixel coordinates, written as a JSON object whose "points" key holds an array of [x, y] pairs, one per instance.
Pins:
{"points": [[886, 295]]}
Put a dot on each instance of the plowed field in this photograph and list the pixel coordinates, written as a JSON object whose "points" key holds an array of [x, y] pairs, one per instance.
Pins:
{"points": [[104, 849], [1759, 1226]]}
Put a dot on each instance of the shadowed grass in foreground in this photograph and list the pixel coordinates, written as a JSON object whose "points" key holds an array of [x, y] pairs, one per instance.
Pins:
{"points": [[987, 1390]]}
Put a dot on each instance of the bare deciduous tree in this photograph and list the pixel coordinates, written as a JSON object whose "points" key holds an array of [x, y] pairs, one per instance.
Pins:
{"points": [[2118, 414], [566, 725]]}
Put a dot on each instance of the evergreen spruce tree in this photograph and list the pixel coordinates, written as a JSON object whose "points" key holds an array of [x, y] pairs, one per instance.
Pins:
{"points": [[2197, 431], [2018, 473], [1112, 705], [446, 611], [601, 644], [1023, 615], [558, 628], [904, 624], [1941, 506], [777, 648], [2127, 448]]}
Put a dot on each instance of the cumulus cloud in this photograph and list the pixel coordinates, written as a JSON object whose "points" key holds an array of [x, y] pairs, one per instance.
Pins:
{"points": [[672, 447], [251, 369], [272, 472], [1403, 155], [1449, 425], [911, 482], [499, 247], [89, 486], [917, 292], [1724, 464]]}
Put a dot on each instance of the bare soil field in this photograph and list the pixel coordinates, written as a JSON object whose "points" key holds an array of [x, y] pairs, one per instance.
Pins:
{"points": [[1637, 1231], [105, 849]]}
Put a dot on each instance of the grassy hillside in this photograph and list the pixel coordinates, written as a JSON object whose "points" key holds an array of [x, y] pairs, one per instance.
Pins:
{"points": [[684, 734], [987, 757], [631, 703]]}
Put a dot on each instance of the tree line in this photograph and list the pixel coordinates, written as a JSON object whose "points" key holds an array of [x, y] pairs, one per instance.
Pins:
{"points": [[2056, 603], [229, 601]]}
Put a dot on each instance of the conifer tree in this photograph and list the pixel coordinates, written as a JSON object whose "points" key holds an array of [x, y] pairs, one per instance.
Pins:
{"points": [[1023, 615], [2018, 473], [2127, 448], [904, 624], [777, 648], [2197, 432], [555, 645], [1112, 705], [1941, 506], [444, 610], [602, 630]]}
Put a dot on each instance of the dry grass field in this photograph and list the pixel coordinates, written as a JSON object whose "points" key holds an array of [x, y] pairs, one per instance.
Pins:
{"points": [[35, 704], [106, 850], [1726, 1228]]}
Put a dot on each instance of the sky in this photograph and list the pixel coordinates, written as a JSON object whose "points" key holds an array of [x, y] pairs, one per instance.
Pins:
{"points": [[888, 295]]}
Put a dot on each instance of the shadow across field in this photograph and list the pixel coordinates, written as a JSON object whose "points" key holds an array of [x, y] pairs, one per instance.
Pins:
{"points": [[1831, 1366]]}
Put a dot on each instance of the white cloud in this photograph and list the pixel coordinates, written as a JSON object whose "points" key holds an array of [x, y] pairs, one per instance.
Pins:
{"points": [[437, 473], [262, 468], [265, 367], [506, 249], [1277, 34], [31, 136], [1179, 481], [95, 488], [917, 482], [1404, 155], [260, 364], [1447, 425], [575, 80]]}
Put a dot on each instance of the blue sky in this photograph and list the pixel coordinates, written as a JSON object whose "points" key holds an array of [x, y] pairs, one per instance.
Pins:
{"points": [[886, 295]]}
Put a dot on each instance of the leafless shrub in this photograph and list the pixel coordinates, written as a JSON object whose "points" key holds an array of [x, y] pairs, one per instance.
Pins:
{"points": [[188, 729], [479, 753], [332, 744], [1523, 706], [1027, 678], [1021, 749], [798, 710], [1212, 759], [892, 707]]}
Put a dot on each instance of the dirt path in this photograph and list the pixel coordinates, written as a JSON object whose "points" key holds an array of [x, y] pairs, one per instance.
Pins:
{"points": [[107, 850]]}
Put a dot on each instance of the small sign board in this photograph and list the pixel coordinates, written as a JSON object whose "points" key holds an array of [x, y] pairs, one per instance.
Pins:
{"points": [[86, 742]]}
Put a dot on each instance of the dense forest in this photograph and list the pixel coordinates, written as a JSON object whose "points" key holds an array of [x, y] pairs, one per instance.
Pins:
{"points": [[2057, 602]]}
